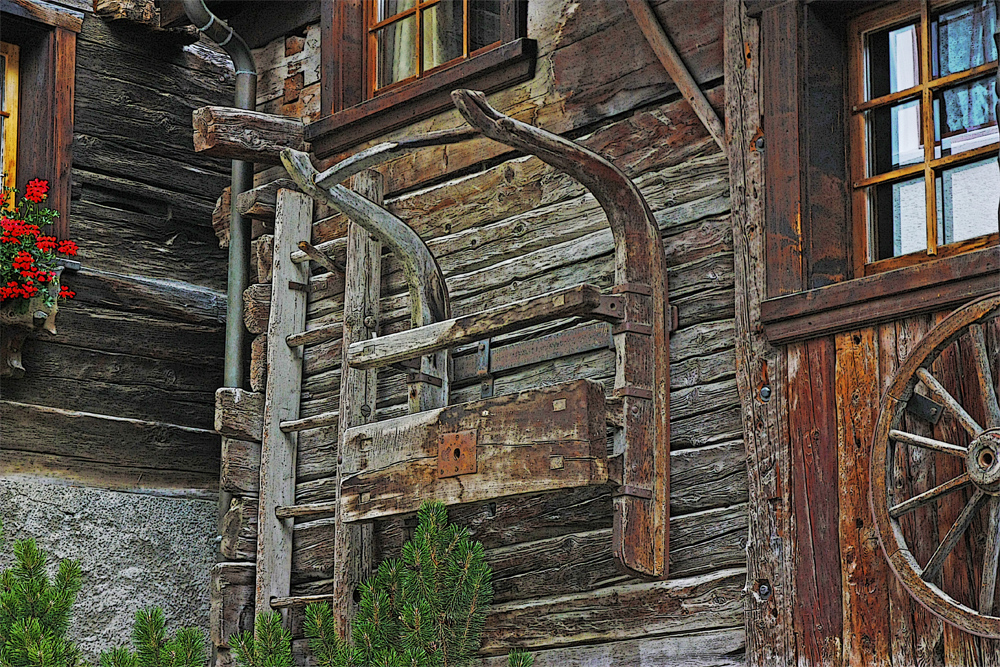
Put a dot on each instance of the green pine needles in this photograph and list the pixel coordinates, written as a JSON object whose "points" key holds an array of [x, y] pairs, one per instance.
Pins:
{"points": [[154, 649], [426, 609], [34, 611]]}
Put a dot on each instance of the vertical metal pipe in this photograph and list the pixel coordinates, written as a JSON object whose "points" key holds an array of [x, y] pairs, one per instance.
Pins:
{"points": [[242, 180]]}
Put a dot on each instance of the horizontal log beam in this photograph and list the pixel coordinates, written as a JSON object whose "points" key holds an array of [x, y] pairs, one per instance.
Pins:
{"points": [[259, 203], [246, 135], [541, 439], [581, 300]]}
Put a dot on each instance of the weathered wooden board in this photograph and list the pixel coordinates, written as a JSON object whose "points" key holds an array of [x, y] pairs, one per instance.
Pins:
{"points": [[866, 617], [540, 440], [770, 585], [239, 413], [281, 402], [245, 135], [678, 606], [163, 298], [231, 601], [240, 470]]}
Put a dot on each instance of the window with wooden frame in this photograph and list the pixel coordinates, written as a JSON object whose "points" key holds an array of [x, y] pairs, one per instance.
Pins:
{"points": [[9, 57], [841, 250], [924, 133], [44, 35], [390, 63]]}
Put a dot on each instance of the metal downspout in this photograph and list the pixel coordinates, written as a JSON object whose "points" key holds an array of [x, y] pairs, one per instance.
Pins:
{"points": [[242, 180]]}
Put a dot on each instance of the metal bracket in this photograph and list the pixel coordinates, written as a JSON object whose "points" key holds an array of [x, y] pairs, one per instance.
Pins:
{"points": [[612, 308], [924, 408], [483, 369], [633, 492], [413, 378], [632, 288], [457, 454], [632, 327], [634, 392]]}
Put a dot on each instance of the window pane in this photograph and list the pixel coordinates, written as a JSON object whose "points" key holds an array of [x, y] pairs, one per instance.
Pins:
{"points": [[900, 218], [895, 137], [970, 196], [386, 8], [893, 61], [396, 56], [484, 23], [442, 29], [963, 37], [965, 117]]}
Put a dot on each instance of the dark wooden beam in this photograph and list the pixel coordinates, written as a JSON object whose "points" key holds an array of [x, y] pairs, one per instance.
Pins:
{"points": [[246, 135]]}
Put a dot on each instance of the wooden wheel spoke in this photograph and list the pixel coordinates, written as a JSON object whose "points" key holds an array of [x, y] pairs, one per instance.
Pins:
{"points": [[987, 590], [928, 496], [928, 443], [951, 538], [942, 396], [985, 376]]}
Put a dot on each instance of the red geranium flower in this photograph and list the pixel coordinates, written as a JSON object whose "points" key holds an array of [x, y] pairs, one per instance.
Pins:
{"points": [[36, 190]]}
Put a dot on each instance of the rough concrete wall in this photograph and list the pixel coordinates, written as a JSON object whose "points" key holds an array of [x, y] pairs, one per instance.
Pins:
{"points": [[135, 550]]}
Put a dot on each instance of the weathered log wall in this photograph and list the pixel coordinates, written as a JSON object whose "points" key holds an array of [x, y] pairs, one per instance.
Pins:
{"points": [[122, 397], [505, 227]]}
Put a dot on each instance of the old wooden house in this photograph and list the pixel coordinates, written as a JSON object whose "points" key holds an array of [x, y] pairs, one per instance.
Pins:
{"points": [[687, 309]]}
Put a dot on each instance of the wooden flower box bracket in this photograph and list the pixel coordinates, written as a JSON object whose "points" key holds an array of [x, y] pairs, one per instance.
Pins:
{"points": [[541, 439]]}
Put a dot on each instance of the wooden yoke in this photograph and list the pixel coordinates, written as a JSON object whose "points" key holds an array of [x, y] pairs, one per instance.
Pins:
{"points": [[642, 376], [429, 303]]}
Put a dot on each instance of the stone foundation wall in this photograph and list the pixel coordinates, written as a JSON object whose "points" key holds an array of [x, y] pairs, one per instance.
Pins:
{"points": [[136, 551]]}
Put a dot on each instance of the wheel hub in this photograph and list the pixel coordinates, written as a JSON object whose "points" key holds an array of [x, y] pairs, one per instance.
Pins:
{"points": [[983, 461]]}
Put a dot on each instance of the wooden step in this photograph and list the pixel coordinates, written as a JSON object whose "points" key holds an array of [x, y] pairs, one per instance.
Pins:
{"points": [[580, 300], [314, 336], [312, 509], [335, 249], [320, 258], [316, 421], [300, 600]]}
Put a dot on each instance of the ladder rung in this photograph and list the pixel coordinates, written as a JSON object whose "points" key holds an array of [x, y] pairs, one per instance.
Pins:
{"points": [[300, 600], [320, 258], [316, 421], [317, 335], [326, 248], [292, 511]]}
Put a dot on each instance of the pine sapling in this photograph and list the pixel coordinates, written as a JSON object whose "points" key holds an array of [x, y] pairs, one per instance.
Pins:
{"points": [[154, 648], [271, 647]]}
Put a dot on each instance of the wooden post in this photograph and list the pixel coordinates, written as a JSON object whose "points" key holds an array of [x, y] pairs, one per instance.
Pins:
{"points": [[358, 388], [760, 370], [277, 459]]}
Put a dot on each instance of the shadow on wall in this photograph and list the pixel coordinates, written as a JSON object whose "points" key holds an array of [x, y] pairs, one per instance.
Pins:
{"points": [[135, 551]]}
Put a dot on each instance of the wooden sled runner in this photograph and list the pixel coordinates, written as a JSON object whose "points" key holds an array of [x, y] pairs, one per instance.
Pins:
{"points": [[542, 439]]}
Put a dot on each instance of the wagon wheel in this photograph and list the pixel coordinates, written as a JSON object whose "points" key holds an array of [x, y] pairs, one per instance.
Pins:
{"points": [[981, 478]]}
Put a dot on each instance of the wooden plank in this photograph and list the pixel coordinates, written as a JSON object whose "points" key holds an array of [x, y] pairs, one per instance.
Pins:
{"points": [[259, 202], [293, 223], [231, 601], [45, 12], [117, 441], [164, 298], [354, 558], [865, 572], [812, 417], [387, 350], [544, 439], [246, 135], [617, 613], [770, 546], [239, 413], [715, 648]]}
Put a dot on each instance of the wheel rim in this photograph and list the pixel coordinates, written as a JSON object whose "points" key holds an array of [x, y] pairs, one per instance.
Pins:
{"points": [[981, 476]]}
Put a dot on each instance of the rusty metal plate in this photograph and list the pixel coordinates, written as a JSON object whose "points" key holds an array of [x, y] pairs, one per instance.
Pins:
{"points": [[457, 454]]}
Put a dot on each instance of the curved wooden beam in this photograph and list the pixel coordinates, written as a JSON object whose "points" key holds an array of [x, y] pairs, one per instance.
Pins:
{"points": [[428, 291], [642, 377]]}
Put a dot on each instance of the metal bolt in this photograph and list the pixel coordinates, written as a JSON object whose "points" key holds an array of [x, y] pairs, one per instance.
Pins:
{"points": [[760, 143], [371, 322], [366, 411], [340, 459], [764, 591], [765, 393]]}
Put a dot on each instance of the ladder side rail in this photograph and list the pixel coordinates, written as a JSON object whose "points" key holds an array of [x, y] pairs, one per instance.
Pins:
{"points": [[293, 222]]}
